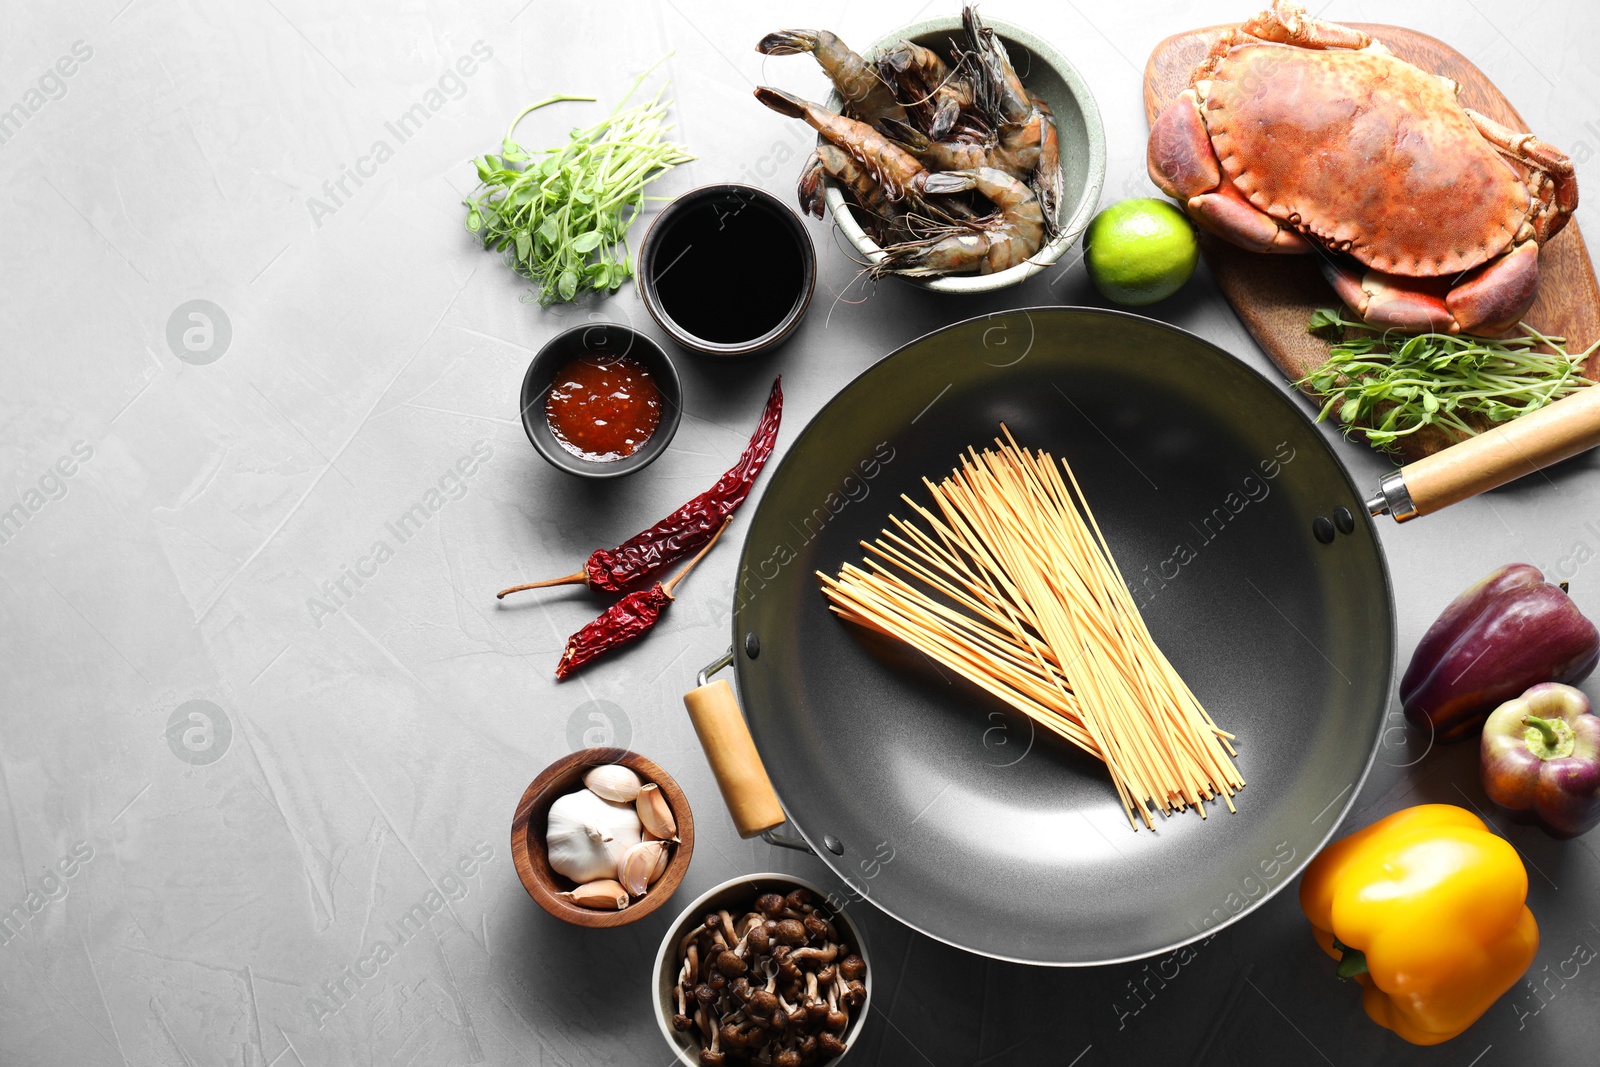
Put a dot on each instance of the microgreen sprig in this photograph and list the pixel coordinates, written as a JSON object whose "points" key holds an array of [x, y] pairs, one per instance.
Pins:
{"points": [[1387, 385], [561, 216]]}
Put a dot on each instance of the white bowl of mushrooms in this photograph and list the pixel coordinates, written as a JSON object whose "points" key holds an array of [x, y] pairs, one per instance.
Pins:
{"points": [[759, 970]]}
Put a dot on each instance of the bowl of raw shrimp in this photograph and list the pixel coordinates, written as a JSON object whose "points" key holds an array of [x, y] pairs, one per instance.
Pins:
{"points": [[1007, 250]]}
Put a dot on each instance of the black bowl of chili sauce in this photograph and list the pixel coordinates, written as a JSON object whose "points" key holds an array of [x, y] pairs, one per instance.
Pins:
{"points": [[727, 270], [601, 401]]}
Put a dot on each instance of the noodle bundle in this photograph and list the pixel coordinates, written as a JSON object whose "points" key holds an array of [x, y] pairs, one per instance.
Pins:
{"points": [[1011, 584]]}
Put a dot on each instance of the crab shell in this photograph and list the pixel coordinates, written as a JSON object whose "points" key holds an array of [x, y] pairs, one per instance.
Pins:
{"points": [[1299, 133]]}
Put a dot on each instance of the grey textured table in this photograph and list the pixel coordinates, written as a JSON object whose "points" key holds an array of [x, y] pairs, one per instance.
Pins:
{"points": [[239, 742]]}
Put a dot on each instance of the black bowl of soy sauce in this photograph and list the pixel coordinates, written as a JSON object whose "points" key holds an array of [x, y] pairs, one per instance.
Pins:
{"points": [[727, 270]]}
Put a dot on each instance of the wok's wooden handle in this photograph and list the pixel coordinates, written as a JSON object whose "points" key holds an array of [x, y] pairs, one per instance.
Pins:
{"points": [[1505, 453], [740, 774]]}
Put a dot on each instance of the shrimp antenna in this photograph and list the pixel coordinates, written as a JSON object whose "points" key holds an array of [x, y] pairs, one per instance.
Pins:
{"points": [[849, 250], [839, 297]]}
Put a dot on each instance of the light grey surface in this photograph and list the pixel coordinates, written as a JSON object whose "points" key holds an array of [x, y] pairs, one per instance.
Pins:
{"points": [[371, 747]]}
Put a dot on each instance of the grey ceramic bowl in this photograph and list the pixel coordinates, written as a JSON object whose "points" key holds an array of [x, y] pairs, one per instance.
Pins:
{"points": [[1082, 138], [598, 339]]}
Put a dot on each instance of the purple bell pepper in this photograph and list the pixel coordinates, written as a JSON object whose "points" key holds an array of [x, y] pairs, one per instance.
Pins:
{"points": [[1508, 632], [1541, 759]]}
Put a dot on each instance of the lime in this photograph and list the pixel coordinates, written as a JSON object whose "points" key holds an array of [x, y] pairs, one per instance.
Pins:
{"points": [[1140, 251]]}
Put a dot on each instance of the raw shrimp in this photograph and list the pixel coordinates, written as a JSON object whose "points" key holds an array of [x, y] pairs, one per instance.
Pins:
{"points": [[886, 221], [1001, 95], [972, 128], [865, 94], [891, 166], [990, 244], [882, 219], [1015, 150], [1047, 180], [928, 86], [999, 90]]}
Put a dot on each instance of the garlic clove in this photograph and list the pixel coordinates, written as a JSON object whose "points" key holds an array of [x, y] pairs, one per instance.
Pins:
{"points": [[637, 868], [603, 893], [656, 813], [613, 782], [662, 859]]}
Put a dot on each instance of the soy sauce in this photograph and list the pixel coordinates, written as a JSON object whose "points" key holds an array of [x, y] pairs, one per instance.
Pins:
{"points": [[728, 270]]}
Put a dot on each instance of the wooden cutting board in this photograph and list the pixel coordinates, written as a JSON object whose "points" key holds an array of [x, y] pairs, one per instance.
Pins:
{"points": [[1275, 295]]}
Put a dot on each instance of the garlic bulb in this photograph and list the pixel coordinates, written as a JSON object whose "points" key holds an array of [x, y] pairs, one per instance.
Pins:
{"points": [[613, 782], [587, 836]]}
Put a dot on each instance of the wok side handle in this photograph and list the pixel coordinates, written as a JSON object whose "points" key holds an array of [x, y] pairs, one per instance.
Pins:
{"points": [[740, 774], [1493, 458]]}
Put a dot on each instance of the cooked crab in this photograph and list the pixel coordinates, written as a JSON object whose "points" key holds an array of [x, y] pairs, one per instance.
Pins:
{"points": [[1302, 136]]}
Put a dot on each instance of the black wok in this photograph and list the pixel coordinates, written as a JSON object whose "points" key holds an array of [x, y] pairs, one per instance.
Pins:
{"points": [[1254, 561]]}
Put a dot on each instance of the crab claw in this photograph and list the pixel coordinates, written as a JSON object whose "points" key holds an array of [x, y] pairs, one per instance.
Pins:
{"points": [[1233, 218], [1497, 294], [1488, 300], [1389, 300], [1183, 163]]}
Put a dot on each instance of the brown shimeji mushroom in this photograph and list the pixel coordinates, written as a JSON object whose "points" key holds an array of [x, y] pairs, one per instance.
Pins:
{"points": [[822, 954], [819, 928], [838, 1015], [816, 1007], [681, 1021], [792, 932], [713, 1057], [763, 1002], [788, 970], [773, 987]]}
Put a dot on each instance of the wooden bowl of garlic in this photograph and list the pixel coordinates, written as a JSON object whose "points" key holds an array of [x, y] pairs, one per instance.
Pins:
{"points": [[602, 837]]}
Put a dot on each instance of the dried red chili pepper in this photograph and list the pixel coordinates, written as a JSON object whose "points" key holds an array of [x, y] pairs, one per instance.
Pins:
{"points": [[677, 535], [628, 619]]}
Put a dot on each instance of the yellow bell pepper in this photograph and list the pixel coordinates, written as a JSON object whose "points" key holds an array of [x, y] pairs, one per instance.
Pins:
{"points": [[1427, 910]]}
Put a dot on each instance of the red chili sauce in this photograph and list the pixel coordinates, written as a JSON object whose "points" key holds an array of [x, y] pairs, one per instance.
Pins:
{"points": [[603, 407]]}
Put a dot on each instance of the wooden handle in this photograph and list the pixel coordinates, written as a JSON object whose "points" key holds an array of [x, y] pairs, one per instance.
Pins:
{"points": [[746, 789], [1506, 453]]}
